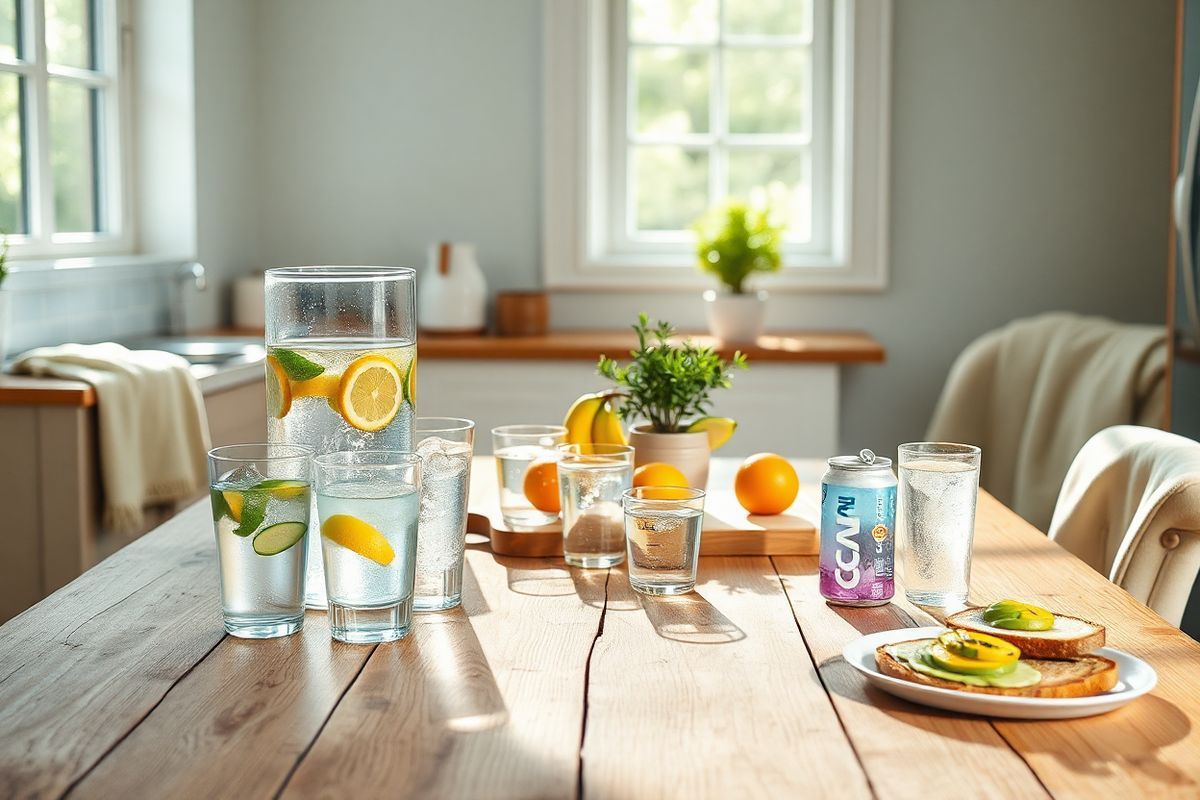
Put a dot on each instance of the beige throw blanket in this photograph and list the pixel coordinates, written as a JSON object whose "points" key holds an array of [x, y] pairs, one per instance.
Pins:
{"points": [[1031, 393], [153, 429], [1130, 507]]}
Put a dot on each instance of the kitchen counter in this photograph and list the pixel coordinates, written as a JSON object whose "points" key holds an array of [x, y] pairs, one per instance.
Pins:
{"points": [[844, 347]]}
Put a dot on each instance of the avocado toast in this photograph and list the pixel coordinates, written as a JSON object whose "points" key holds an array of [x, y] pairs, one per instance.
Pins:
{"points": [[1032, 677]]}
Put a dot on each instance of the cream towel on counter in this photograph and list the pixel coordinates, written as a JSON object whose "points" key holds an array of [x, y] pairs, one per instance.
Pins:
{"points": [[153, 429], [1031, 393]]}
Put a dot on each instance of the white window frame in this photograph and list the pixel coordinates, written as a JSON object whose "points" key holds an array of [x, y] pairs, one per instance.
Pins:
{"points": [[115, 176], [582, 245]]}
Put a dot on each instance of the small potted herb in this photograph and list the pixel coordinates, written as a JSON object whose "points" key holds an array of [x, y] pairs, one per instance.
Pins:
{"points": [[668, 384], [734, 241]]}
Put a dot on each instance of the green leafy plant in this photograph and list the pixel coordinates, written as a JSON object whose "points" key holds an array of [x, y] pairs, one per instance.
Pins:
{"points": [[734, 241], [668, 382], [3, 257]]}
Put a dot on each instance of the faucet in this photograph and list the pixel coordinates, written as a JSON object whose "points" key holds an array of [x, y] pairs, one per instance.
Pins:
{"points": [[192, 271]]}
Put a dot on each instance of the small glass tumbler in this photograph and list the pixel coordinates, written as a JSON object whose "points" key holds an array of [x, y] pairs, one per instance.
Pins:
{"points": [[445, 445], [591, 480], [935, 520], [260, 504], [516, 447], [369, 502], [662, 528]]}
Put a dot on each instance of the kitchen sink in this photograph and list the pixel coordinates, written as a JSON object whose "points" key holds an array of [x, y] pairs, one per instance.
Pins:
{"points": [[211, 351]]}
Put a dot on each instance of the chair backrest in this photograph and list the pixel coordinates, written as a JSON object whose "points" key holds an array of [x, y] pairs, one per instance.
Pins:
{"points": [[1130, 507]]}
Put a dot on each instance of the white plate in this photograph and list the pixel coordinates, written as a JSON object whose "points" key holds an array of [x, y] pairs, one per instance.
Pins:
{"points": [[1134, 678]]}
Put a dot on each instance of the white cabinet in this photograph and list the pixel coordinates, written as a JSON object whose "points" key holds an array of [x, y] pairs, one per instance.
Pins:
{"points": [[781, 407]]}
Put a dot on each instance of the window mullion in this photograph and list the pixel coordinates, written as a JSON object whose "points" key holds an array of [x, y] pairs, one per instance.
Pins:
{"points": [[41, 180], [718, 181]]}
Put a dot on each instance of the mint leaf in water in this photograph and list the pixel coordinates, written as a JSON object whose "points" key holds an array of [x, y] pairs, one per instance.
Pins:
{"points": [[297, 367], [219, 507], [254, 511]]}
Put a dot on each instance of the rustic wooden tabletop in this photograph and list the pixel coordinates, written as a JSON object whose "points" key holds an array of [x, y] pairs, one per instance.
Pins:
{"points": [[557, 682]]}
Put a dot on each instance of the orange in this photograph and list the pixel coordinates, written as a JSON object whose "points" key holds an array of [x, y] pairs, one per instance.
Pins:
{"points": [[541, 486], [766, 484], [657, 473]]}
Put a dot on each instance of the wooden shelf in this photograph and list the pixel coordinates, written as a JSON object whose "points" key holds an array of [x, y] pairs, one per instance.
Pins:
{"points": [[823, 347]]}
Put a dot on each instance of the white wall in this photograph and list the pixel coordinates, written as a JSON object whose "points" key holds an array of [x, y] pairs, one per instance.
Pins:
{"points": [[1029, 166], [227, 185], [386, 125]]}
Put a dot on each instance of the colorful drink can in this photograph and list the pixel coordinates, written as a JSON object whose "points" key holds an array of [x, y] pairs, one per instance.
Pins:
{"points": [[858, 522]]}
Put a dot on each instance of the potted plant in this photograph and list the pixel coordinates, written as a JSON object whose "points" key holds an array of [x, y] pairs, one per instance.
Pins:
{"points": [[734, 241], [668, 383]]}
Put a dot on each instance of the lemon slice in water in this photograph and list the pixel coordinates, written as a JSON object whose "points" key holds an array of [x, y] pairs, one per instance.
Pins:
{"points": [[370, 393], [361, 537]]}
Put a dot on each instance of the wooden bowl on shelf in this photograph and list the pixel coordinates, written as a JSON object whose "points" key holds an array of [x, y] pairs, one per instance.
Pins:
{"points": [[522, 313]]}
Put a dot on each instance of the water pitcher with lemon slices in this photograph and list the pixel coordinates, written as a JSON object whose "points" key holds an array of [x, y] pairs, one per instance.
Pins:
{"points": [[341, 367]]}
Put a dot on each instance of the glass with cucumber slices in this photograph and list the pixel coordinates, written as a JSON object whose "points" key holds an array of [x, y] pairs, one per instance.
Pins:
{"points": [[261, 495]]}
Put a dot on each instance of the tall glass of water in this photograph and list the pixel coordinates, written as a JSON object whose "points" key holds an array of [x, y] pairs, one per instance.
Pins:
{"points": [[341, 366], [260, 504], [935, 519], [445, 445], [368, 502], [592, 478]]}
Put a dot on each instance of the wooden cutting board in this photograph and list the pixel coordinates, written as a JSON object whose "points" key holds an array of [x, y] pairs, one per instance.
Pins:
{"points": [[728, 530]]}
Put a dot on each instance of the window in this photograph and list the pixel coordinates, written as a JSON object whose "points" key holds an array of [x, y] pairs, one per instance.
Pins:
{"points": [[658, 109], [61, 176]]}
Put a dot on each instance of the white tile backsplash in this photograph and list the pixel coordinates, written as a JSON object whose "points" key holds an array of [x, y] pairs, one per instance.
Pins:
{"points": [[50, 309]]}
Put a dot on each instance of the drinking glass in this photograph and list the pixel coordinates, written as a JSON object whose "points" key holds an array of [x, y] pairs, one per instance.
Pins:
{"points": [[260, 504], [445, 445], [368, 502], [935, 520], [341, 366], [662, 526], [591, 481], [516, 447]]}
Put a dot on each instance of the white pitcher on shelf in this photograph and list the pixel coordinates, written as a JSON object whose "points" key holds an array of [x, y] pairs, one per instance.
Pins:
{"points": [[452, 291]]}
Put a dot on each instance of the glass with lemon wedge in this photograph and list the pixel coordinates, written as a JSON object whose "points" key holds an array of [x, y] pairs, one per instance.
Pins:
{"points": [[260, 505], [341, 365], [368, 504]]}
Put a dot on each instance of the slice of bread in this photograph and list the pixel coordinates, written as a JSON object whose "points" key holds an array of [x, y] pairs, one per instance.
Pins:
{"points": [[1077, 677], [1069, 637]]}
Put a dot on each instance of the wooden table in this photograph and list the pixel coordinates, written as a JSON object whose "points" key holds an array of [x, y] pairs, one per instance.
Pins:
{"points": [[556, 682]]}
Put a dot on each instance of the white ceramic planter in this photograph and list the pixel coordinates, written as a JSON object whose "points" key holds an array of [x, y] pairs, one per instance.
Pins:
{"points": [[686, 451], [736, 318]]}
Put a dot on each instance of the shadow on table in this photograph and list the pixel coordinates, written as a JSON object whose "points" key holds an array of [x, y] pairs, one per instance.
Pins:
{"points": [[690, 618], [874, 619], [1129, 737], [461, 691]]}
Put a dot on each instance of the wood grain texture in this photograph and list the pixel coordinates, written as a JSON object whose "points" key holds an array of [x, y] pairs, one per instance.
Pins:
{"points": [[482, 701], [206, 738], [1149, 748], [827, 347], [711, 694], [898, 742], [82, 668], [26, 390]]}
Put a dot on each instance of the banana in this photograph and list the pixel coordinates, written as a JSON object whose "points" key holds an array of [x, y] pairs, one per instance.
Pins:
{"points": [[581, 416], [606, 429]]}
